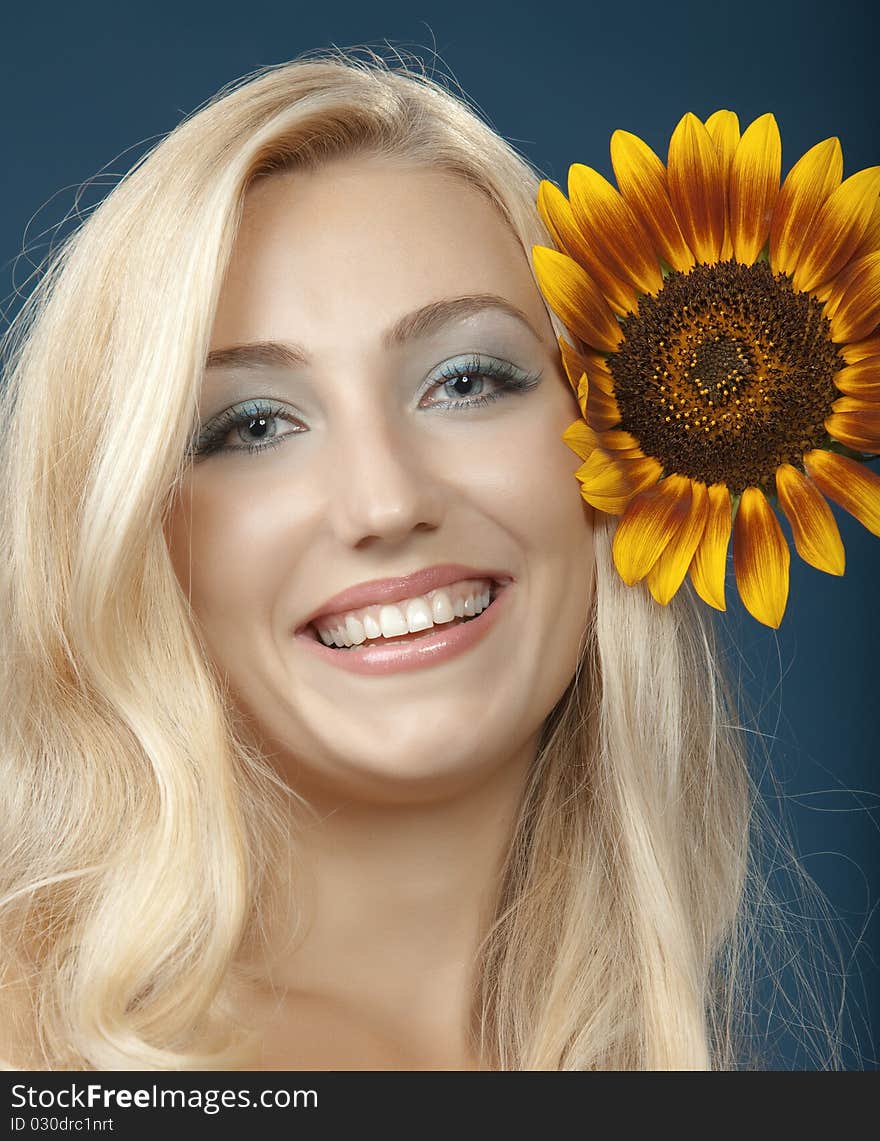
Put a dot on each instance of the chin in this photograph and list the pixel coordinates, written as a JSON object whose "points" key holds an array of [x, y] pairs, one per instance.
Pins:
{"points": [[391, 772]]}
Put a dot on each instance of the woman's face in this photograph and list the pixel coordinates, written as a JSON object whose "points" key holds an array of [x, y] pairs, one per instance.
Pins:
{"points": [[377, 459]]}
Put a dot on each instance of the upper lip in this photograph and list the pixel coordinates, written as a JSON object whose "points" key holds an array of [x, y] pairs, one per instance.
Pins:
{"points": [[388, 590]]}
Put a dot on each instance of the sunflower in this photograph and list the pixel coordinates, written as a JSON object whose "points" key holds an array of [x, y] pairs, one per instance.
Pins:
{"points": [[730, 353]]}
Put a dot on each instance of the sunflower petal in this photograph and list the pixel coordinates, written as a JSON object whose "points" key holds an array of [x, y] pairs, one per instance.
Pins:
{"points": [[854, 306], [572, 361], [860, 379], [641, 177], [723, 128], [581, 438], [696, 187], [558, 216], [642, 472], [555, 214], [667, 574], [576, 299], [600, 375], [810, 181], [610, 484], [649, 523], [848, 483], [602, 412], [761, 558], [816, 537], [858, 430], [621, 243], [841, 225], [754, 187], [871, 240], [854, 404], [709, 564], [617, 441], [858, 350]]}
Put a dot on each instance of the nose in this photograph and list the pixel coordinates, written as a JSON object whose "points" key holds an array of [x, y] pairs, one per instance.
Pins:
{"points": [[381, 487]]}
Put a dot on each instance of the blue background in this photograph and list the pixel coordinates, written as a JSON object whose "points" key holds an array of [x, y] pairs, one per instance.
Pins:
{"points": [[86, 88]]}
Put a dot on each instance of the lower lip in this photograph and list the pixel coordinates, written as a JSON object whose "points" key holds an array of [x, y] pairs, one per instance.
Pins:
{"points": [[442, 644]]}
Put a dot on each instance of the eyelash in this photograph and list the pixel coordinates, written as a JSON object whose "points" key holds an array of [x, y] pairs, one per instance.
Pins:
{"points": [[511, 381]]}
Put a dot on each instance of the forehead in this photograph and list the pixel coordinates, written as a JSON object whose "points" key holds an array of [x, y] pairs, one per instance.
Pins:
{"points": [[350, 246]]}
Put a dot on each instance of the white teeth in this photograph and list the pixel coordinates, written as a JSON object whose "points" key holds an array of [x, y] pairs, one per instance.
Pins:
{"points": [[371, 627], [441, 607], [355, 630], [392, 621], [410, 616], [418, 615]]}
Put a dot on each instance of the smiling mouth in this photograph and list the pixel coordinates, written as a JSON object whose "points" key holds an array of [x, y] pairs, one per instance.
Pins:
{"points": [[495, 588], [409, 636]]}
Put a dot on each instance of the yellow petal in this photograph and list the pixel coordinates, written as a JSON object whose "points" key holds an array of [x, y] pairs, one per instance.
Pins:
{"points": [[871, 240], [620, 242], [618, 441], [583, 394], [641, 177], [854, 305], [575, 299], [667, 574], [848, 483], [854, 404], [556, 211], [696, 187], [761, 558], [602, 412], [599, 373], [650, 521], [816, 537], [858, 350], [581, 439], [641, 473], [555, 214], [840, 227], [610, 484], [861, 379], [858, 430], [754, 187], [723, 128], [572, 362], [710, 558], [809, 183]]}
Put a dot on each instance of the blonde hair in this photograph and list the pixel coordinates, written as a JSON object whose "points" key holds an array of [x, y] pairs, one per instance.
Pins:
{"points": [[142, 827]]}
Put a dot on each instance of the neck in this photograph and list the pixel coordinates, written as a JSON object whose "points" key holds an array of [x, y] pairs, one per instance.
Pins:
{"points": [[396, 897]]}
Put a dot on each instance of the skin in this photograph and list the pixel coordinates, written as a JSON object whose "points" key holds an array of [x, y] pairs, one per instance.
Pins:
{"points": [[415, 777]]}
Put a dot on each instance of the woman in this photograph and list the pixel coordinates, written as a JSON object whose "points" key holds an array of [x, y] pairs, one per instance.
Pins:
{"points": [[251, 823]]}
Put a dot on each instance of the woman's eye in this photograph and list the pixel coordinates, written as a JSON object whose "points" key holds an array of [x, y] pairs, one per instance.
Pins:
{"points": [[479, 380], [464, 386], [252, 428]]}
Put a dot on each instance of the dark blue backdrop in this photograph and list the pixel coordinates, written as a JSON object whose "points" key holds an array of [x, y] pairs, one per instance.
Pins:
{"points": [[87, 87]]}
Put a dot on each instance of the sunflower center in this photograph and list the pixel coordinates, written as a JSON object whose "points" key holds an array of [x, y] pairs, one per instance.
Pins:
{"points": [[726, 373]]}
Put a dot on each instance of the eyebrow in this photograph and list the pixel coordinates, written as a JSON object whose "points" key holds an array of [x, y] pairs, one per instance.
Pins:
{"points": [[420, 323]]}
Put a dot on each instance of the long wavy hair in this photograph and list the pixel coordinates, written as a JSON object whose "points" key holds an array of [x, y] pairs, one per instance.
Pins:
{"points": [[142, 830]]}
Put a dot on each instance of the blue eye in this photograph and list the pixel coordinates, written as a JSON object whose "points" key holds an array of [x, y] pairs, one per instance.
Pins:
{"points": [[257, 416], [472, 371], [254, 416]]}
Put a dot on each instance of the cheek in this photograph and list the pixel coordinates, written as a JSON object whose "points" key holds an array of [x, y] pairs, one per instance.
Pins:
{"points": [[219, 548], [542, 493]]}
